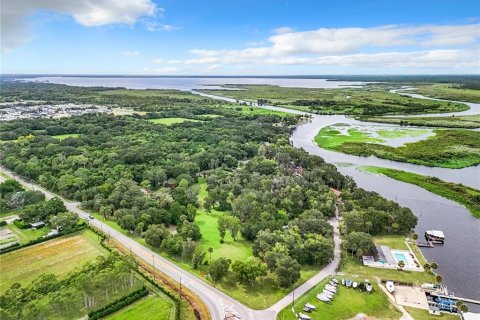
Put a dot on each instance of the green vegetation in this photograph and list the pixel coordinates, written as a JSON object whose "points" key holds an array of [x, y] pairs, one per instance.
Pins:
{"points": [[170, 121], [449, 91], [152, 307], [466, 122], [447, 148], [26, 235], [467, 196], [260, 196], [420, 314], [96, 284], [58, 256], [370, 100], [65, 136], [347, 304]]}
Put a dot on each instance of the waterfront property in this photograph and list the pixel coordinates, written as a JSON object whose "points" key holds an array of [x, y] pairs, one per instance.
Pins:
{"points": [[389, 258]]}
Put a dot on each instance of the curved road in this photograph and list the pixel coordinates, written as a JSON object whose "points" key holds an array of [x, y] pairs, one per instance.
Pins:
{"points": [[216, 301]]}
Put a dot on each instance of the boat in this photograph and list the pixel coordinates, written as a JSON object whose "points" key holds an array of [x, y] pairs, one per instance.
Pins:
{"points": [[390, 286], [332, 283], [310, 306], [335, 280], [331, 288], [302, 316], [355, 285], [323, 298], [328, 294], [306, 309], [369, 287], [349, 283], [435, 236], [343, 282]]}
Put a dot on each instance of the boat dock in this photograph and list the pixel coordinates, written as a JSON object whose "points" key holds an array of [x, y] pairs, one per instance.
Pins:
{"points": [[427, 245], [473, 301]]}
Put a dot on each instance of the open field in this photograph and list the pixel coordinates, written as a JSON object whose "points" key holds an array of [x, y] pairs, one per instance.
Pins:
{"points": [[420, 314], [235, 250], [170, 121], [469, 197], [58, 256], [447, 148], [151, 307], [367, 101], [65, 136], [466, 122], [346, 304], [448, 91]]}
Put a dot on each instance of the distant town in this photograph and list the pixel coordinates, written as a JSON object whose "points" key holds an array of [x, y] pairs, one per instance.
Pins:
{"points": [[26, 110]]}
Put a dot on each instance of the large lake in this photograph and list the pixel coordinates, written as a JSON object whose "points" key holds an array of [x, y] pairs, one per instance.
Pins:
{"points": [[458, 259], [190, 83]]}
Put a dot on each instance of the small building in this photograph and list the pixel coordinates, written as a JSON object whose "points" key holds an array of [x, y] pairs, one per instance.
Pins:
{"points": [[37, 225]]}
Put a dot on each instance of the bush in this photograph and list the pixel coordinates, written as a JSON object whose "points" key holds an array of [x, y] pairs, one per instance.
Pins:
{"points": [[3, 223]]}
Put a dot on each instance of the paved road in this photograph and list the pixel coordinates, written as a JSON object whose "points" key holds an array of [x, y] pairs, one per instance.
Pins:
{"points": [[216, 301]]}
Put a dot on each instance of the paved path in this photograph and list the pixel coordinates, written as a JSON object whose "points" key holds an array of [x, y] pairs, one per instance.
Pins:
{"points": [[216, 301]]}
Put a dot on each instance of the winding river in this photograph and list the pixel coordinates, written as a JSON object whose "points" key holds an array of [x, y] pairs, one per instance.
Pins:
{"points": [[458, 258]]}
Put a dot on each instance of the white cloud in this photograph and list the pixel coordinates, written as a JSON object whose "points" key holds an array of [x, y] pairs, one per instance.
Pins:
{"points": [[448, 46], [89, 13], [156, 26], [282, 30], [349, 40], [130, 53]]}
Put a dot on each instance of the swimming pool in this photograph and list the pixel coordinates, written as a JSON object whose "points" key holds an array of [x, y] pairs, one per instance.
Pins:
{"points": [[401, 257]]}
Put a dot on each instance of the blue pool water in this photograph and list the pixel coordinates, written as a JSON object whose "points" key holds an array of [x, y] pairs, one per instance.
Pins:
{"points": [[400, 257]]}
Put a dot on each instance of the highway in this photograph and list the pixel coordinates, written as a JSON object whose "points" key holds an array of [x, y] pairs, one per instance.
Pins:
{"points": [[216, 301]]}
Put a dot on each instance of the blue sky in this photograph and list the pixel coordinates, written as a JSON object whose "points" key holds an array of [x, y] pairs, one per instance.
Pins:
{"points": [[240, 37]]}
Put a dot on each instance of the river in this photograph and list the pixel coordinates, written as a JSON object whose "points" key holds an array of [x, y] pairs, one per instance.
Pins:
{"points": [[458, 258]]}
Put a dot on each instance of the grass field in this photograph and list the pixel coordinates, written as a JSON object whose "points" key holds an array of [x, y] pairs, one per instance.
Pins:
{"points": [[420, 314], [170, 121], [58, 256], [67, 135], [151, 307], [467, 122], [369, 100], [235, 250], [448, 91], [26, 235], [469, 197], [346, 304], [447, 148]]}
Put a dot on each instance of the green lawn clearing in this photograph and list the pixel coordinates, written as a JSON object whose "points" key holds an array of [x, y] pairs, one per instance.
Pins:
{"points": [[151, 307], [26, 235], [58, 256], [170, 121], [67, 135], [347, 303]]}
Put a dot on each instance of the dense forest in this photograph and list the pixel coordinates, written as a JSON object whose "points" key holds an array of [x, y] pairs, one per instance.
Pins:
{"points": [[144, 176]]}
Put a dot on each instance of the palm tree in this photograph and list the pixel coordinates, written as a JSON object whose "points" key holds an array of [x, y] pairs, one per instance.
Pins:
{"points": [[433, 266], [426, 266], [210, 250], [438, 278], [401, 264], [414, 236]]}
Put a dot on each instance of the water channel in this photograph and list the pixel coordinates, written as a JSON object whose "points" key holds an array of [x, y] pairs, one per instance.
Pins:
{"points": [[458, 258]]}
